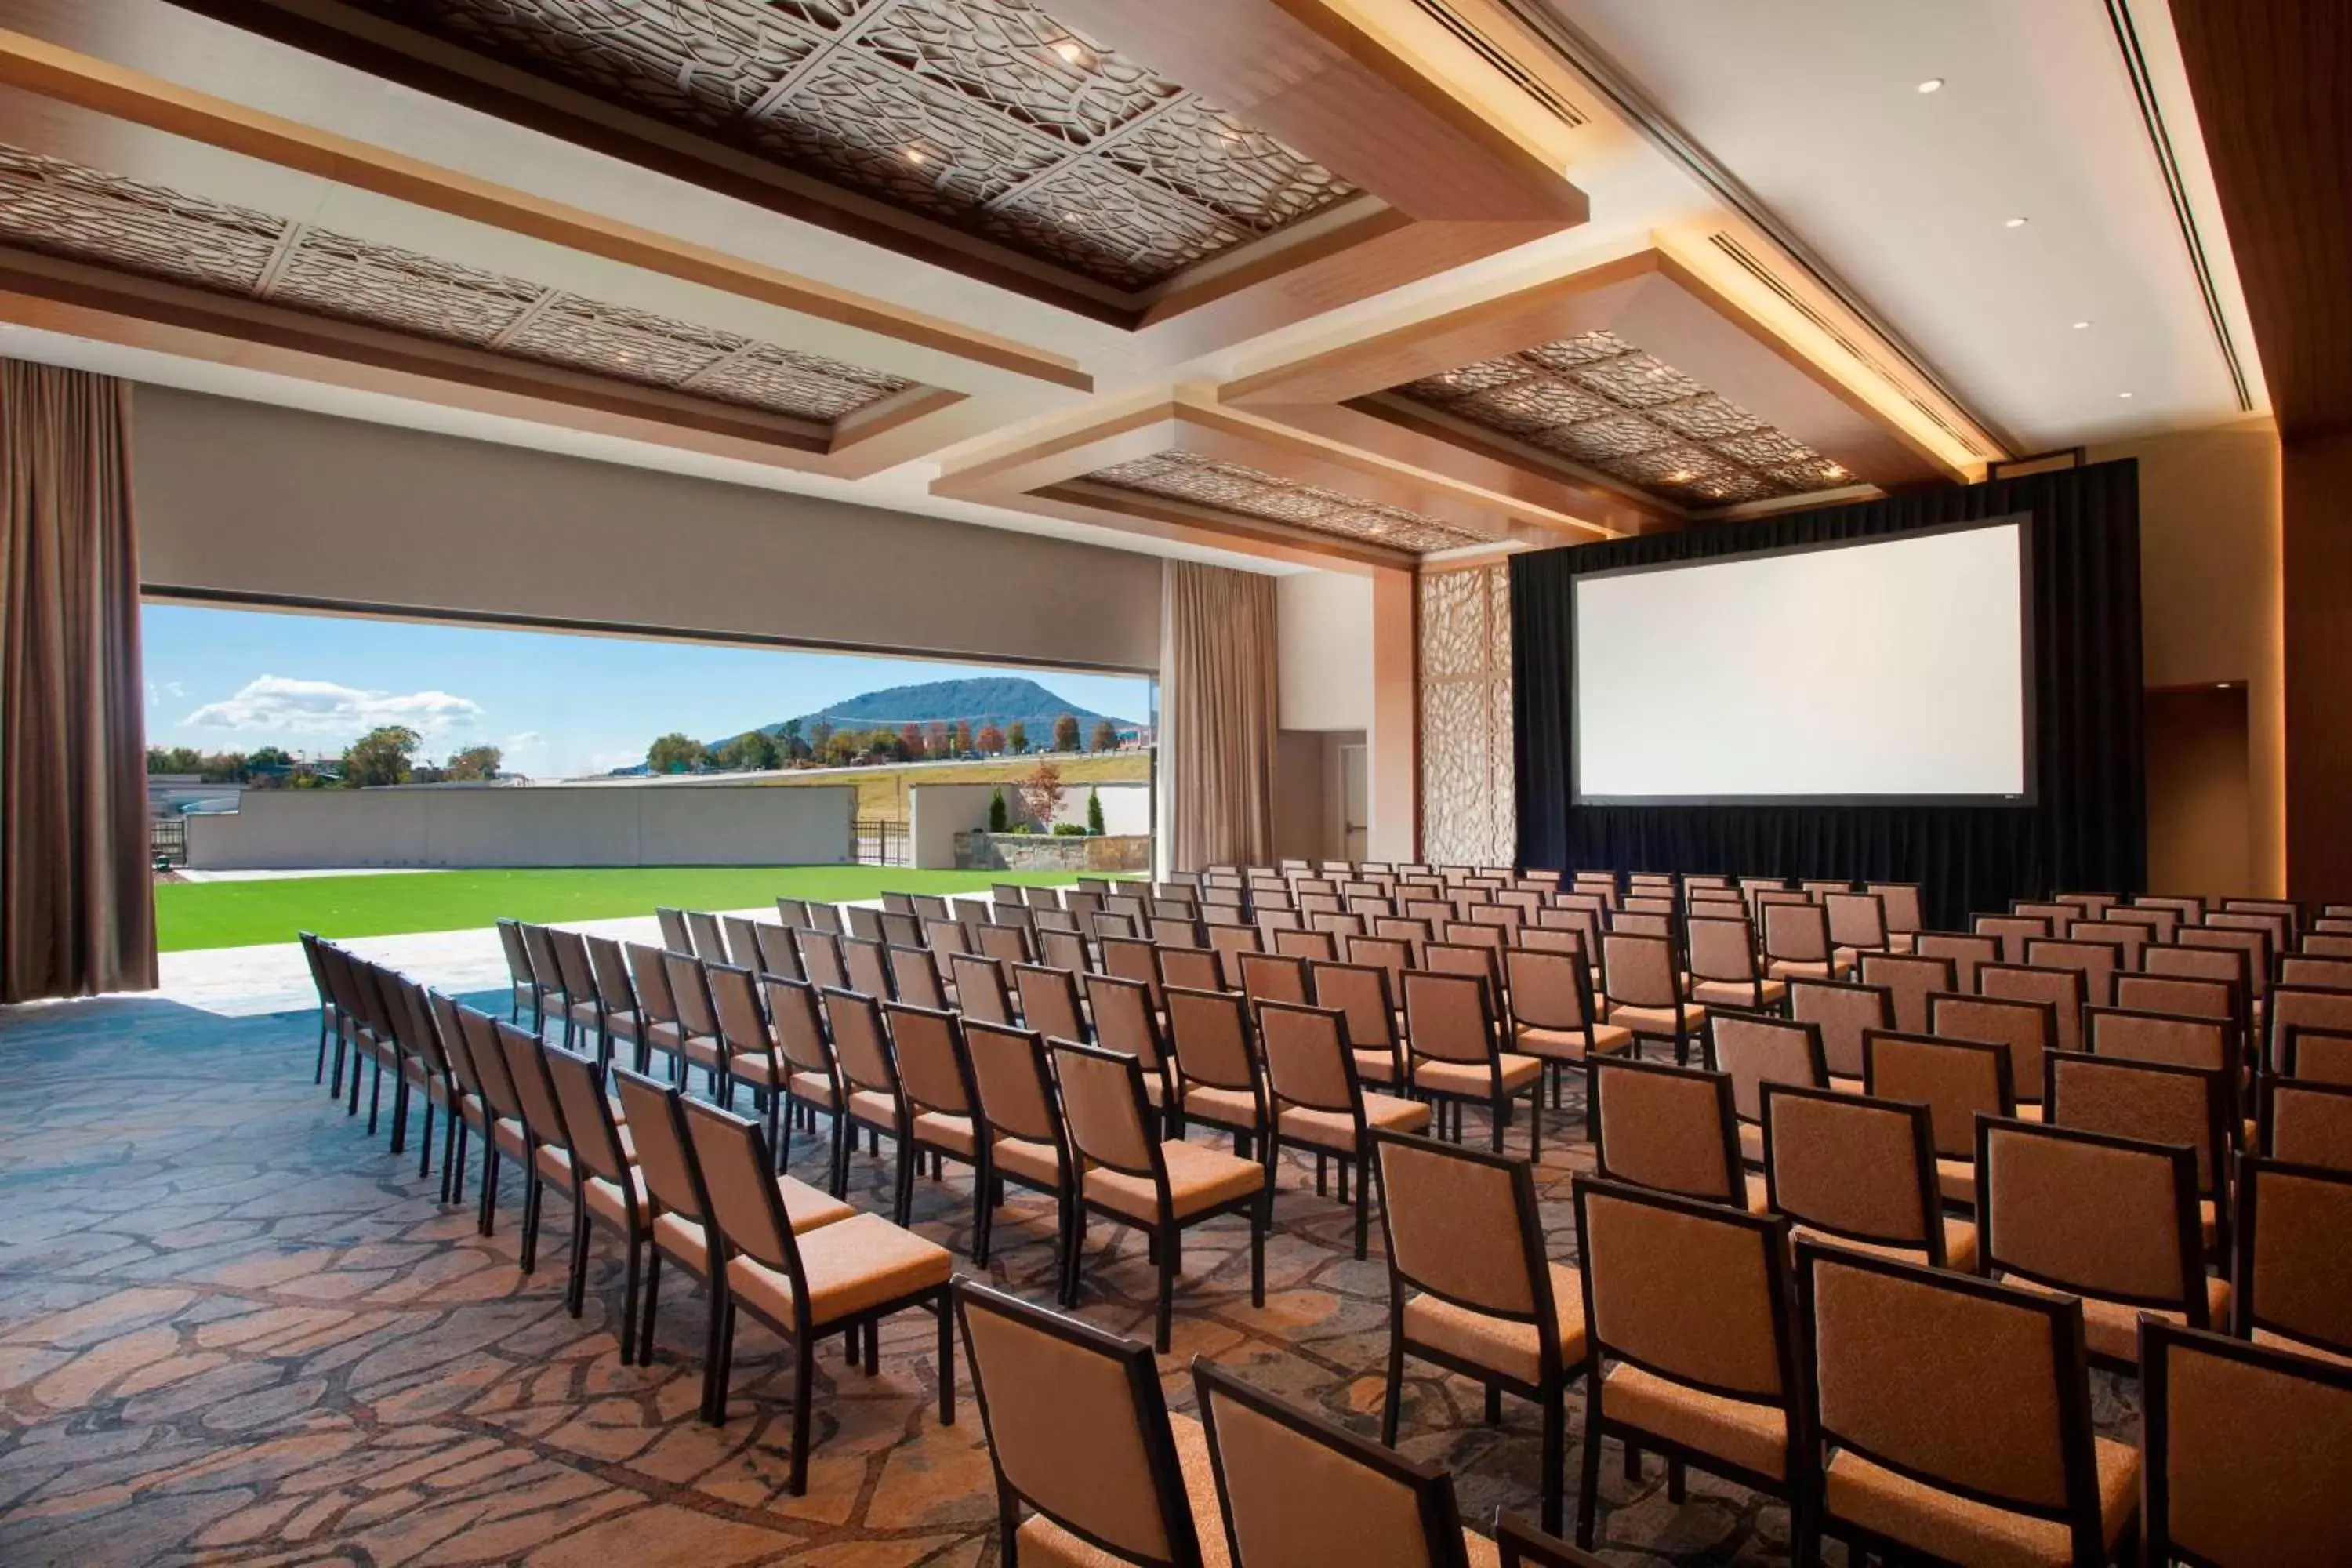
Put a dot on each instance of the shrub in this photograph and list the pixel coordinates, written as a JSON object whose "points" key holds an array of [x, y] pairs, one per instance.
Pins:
{"points": [[997, 815], [1069, 830], [1094, 812]]}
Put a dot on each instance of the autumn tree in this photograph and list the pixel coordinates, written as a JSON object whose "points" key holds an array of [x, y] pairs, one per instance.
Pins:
{"points": [[963, 735], [1106, 736], [380, 757], [910, 740], [935, 738], [1041, 794], [992, 739], [673, 753], [1065, 732], [475, 764], [1016, 735]]}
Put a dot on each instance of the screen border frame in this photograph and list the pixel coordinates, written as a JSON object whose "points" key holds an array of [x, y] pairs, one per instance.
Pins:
{"points": [[2030, 667]]}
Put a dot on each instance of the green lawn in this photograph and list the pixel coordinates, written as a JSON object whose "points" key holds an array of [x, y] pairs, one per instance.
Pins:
{"points": [[236, 914]]}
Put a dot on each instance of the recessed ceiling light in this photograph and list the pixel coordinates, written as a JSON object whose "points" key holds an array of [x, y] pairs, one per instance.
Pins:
{"points": [[2082, 326], [2123, 395], [2014, 223], [914, 155], [1833, 471], [1073, 51], [1931, 84]]}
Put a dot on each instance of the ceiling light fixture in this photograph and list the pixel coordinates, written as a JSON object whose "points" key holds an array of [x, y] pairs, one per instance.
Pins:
{"points": [[1931, 84], [2123, 395], [2014, 223], [914, 155], [1073, 51], [2082, 326], [1833, 471]]}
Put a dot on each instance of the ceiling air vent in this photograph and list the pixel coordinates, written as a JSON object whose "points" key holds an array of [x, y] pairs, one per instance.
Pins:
{"points": [[1862, 357], [1493, 54]]}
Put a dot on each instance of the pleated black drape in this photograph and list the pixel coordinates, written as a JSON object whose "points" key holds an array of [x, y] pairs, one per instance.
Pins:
{"points": [[2087, 831]]}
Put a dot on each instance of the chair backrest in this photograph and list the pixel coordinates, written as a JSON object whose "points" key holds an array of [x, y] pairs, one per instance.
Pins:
{"points": [[2295, 1008], [1449, 1017], [821, 958], [2061, 988], [1124, 1019], [2156, 1037], [1049, 1001], [927, 1048], [742, 940], [1900, 902], [2294, 1281], [737, 1176], [1639, 971], [2307, 1123], [1104, 1107], [1193, 968], [1550, 990], [545, 970], [861, 1045], [572, 963], [689, 990], [1013, 1081], [1692, 1292], [1065, 950], [1519, 1544], [981, 991], [1307, 944], [658, 1131], [1463, 1226], [2026, 1029], [542, 1111], [1957, 1080], [2253, 944], [1126, 959], [593, 1135], [2157, 1102], [1362, 992], [915, 977], [1754, 1050], [864, 960], [1007, 944], [795, 1015], [674, 935], [2096, 960], [779, 952], [1897, 1350], [1673, 1128], [1798, 933], [487, 1056], [735, 1005], [1846, 1012], [611, 967], [1910, 979], [865, 924], [1269, 977], [821, 917], [2089, 1212], [794, 912], [510, 943], [1855, 920], [2179, 995], [1307, 1059], [1720, 947], [2229, 1472], [1077, 1429], [2014, 931], [2129, 938], [1856, 1168], [710, 940], [1209, 1034], [1295, 1489], [2228, 964], [1965, 950]]}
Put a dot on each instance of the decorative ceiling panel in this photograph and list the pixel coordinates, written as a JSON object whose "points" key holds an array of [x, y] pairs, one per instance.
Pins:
{"points": [[985, 113], [1601, 401], [59, 208], [1233, 487]]}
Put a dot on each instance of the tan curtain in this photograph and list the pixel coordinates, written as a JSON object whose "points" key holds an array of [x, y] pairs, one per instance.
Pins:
{"points": [[1219, 710], [77, 900]]}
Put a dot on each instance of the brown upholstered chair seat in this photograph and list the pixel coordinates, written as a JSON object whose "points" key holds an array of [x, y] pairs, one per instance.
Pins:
{"points": [[1027, 1159], [1474, 1078], [1840, 964], [760, 1069], [1845, 1085], [1737, 993], [1956, 1181], [1499, 1343], [2300, 1347], [1954, 1527], [512, 1139], [1198, 1178], [1226, 1107], [583, 1014], [605, 1200], [1337, 1130], [1760, 1196], [1751, 1142], [939, 1130], [1655, 1021], [1375, 1067], [663, 1035], [1755, 1437], [2111, 1328], [813, 1087], [554, 1164], [1959, 1245], [1567, 1044], [872, 1105], [852, 1264]]}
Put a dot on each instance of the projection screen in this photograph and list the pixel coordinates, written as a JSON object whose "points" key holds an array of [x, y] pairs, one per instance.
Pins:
{"points": [[1893, 669]]}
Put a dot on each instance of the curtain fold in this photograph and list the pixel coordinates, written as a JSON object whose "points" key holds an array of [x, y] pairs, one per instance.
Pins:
{"points": [[1219, 711], [2087, 829], [76, 901]]}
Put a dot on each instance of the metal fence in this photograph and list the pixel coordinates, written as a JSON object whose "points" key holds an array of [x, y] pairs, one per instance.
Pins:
{"points": [[880, 842], [167, 840]]}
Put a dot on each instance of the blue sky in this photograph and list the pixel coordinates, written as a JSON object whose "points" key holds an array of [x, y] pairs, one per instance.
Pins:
{"points": [[557, 704]]}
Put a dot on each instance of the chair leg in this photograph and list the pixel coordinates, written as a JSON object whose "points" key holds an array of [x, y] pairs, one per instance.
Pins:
{"points": [[1535, 1122], [1392, 1404], [487, 1218], [375, 1095], [400, 1114], [1494, 1404], [981, 1183], [1677, 1489], [629, 1305], [1261, 1221], [453, 1146], [1555, 1455], [1588, 1497], [803, 1398], [653, 1305], [1498, 1111], [1363, 1203], [946, 1360], [1168, 1255], [575, 1289], [425, 1141], [319, 1076], [717, 1340], [531, 1189]]}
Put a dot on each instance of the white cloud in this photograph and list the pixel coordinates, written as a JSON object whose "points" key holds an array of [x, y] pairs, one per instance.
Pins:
{"points": [[280, 704], [525, 738]]}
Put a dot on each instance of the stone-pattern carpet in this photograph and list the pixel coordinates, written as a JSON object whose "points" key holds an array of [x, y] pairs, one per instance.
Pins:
{"points": [[234, 1329]]}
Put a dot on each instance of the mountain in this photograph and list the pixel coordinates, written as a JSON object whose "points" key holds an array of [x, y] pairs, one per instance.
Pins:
{"points": [[1002, 700]]}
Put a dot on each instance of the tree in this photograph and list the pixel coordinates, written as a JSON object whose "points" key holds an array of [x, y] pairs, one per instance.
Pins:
{"points": [[1106, 738], [935, 738], [962, 736], [380, 757], [269, 760], [1016, 735], [760, 752], [1093, 812], [790, 743], [673, 753], [1065, 732], [910, 740], [992, 739], [1041, 794], [473, 763], [999, 820], [819, 733]]}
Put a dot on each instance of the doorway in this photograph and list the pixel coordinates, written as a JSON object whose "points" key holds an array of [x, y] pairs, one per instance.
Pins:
{"points": [[1355, 801]]}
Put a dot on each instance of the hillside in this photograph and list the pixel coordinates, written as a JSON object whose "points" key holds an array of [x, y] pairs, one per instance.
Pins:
{"points": [[1001, 700]]}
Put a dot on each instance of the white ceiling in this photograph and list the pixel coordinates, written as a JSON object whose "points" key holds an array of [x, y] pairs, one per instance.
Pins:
{"points": [[1814, 106]]}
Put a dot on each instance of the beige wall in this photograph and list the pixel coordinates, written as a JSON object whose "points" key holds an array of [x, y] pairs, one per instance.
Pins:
{"points": [[2210, 613], [2197, 795], [1324, 663], [582, 825], [937, 813], [1299, 792], [244, 498]]}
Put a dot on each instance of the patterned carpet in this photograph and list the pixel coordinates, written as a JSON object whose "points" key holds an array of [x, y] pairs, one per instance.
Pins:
{"points": [[235, 1330]]}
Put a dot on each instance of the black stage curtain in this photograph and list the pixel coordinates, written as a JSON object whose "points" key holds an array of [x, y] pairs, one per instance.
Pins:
{"points": [[2087, 830]]}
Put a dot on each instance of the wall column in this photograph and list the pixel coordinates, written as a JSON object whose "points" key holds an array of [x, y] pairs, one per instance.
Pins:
{"points": [[1392, 742], [2318, 586]]}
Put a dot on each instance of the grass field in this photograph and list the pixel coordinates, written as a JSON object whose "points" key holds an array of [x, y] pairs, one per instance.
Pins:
{"points": [[192, 915], [882, 792]]}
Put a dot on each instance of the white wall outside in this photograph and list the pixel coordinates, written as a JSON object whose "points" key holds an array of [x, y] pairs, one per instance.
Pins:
{"points": [[1323, 640], [940, 811]]}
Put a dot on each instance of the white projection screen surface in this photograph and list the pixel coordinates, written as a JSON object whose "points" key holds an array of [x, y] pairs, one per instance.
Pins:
{"points": [[1889, 668]]}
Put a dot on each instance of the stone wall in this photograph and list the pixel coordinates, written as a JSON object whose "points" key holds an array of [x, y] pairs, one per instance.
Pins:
{"points": [[984, 851]]}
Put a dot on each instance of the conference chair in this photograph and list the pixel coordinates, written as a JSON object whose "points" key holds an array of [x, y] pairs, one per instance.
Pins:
{"points": [[1672, 1129], [981, 988], [1642, 984], [2184, 997], [1020, 1134], [747, 1045], [1797, 944], [2094, 961], [813, 1080], [2007, 1469], [1364, 996], [583, 1005], [1690, 1350], [1909, 979], [1471, 1289], [1755, 1050], [1126, 1022], [710, 942], [1218, 1080], [1964, 950], [1959, 1082], [1456, 1054], [2218, 1488], [2299, 1010], [2158, 1037], [742, 940], [1159, 1186], [1519, 1544], [2025, 1028], [1553, 1015], [607, 1190], [1846, 1012], [2113, 1220], [805, 1283], [2129, 939], [1193, 968], [1090, 1469], [2306, 1122], [1721, 952], [1861, 1172], [934, 1079], [522, 984], [2014, 931], [2160, 1102], [1857, 922], [546, 1141], [469, 1113], [548, 971], [1264, 978], [504, 1136], [2064, 989], [698, 1044], [675, 936], [1318, 1103], [2288, 1272], [620, 1020]]}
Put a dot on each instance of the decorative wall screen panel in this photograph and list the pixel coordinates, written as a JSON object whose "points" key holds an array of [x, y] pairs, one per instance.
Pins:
{"points": [[1469, 813]]}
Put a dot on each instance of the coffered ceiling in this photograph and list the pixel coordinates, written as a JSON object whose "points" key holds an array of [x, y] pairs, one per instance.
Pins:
{"points": [[1236, 488]]}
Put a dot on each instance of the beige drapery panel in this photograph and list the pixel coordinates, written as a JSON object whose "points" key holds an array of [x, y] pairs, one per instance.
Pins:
{"points": [[1219, 710], [77, 902]]}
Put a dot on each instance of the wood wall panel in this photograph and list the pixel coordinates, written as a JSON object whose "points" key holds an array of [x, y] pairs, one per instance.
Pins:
{"points": [[2318, 579]]}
